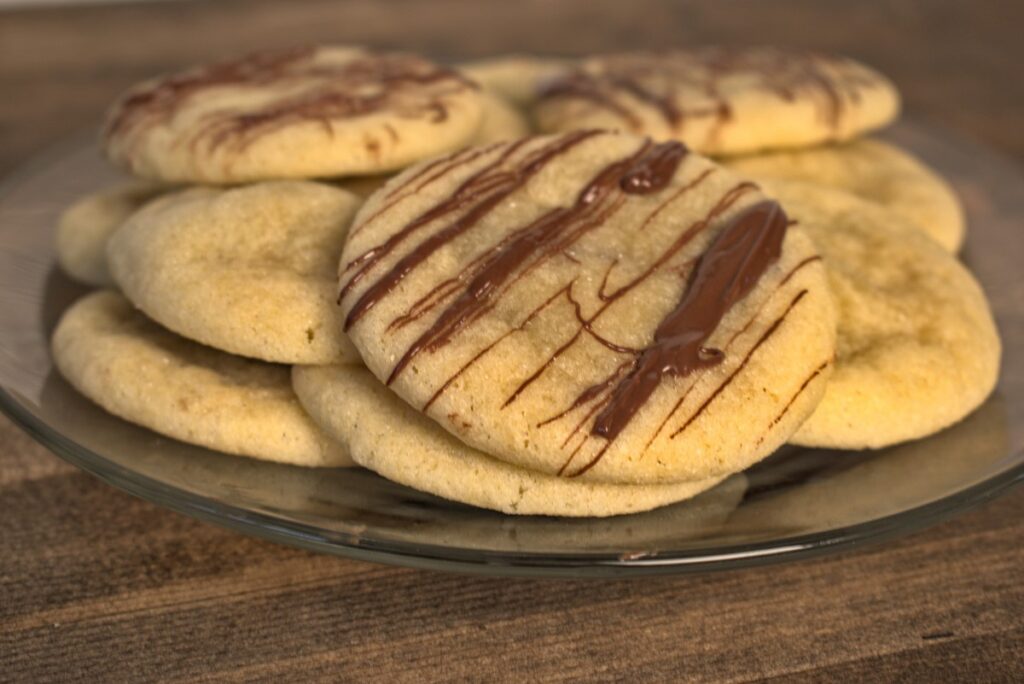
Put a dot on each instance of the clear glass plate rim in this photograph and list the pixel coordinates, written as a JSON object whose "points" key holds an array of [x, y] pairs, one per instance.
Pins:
{"points": [[475, 560], [430, 556]]}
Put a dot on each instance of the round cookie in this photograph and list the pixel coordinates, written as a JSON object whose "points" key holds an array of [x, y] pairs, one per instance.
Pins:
{"points": [[917, 349], [140, 372], [248, 270], [303, 113], [387, 436], [876, 171], [86, 225], [637, 536], [516, 78], [534, 298], [501, 121], [722, 101]]}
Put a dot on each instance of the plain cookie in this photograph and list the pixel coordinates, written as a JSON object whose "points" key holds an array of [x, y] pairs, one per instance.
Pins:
{"points": [[146, 375], [247, 270], [917, 349], [86, 225], [876, 171], [516, 78], [501, 121]]}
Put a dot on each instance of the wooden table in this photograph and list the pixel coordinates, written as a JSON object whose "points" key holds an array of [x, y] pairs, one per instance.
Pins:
{"points": [[96, 585]]}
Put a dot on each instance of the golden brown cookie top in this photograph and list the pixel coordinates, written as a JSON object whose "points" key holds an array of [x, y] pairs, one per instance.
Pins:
{"points": [[228, 107], [554, 300], [721, 100]]}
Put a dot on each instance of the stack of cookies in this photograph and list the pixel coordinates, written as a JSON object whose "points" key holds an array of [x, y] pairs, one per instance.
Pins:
{"points": [[575, 288]]}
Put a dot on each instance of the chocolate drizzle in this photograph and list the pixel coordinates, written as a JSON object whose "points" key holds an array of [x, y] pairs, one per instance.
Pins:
{"points": [[685, 85], [482, 192], [744, 247], [549, 234], [313, 89], [654, 170], [583, 86], [159, 98], [725, 273]]}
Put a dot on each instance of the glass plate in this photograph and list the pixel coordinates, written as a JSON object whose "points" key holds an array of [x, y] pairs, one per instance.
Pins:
{"points": [[797, 503]]}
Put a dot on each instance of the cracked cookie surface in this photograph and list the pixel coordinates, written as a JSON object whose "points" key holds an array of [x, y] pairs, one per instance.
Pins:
{"points": [[722, 101], [302, 113], [534, 299]]}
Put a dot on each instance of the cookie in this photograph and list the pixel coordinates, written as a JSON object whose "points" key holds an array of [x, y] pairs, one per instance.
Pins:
{"points": [[387, 436], [630, 537], [140, 372], [722, 101], [248, 270], [303, 113], [917, 349], [516, 78], [501, 121], [876, 171], [86, 225], [591, 305]]}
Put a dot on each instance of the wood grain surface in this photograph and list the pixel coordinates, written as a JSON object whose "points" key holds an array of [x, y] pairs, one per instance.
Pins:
{"points": [[98, 586]]}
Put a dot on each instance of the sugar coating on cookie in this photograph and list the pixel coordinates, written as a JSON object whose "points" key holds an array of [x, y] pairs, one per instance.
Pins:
{"points": [[591, 305], [722, 101], [301, 113], [917, 349], [516, 78], [249, 270], [85, 227], [876, 171], [389, 437], [138, 371]]}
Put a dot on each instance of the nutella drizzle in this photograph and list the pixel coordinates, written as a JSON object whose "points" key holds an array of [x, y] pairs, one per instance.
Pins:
{"points": [[654, 170], [654, 79], [549, 234], [729, 268], [321, 92], [684, 238], [725, 273], [163, 96], [494, 187]]}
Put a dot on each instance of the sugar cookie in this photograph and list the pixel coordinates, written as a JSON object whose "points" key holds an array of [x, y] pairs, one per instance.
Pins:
{"points": [[722, 100], [303, 113], [248, 270], [535, 299], [135, 369]]}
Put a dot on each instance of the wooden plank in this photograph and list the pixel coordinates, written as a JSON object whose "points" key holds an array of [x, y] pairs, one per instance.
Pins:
{"points": [[179, 598]]}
